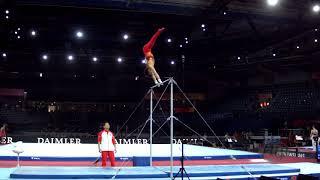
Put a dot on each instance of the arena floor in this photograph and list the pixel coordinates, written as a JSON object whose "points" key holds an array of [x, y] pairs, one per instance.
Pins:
{"points": [[285, 171], [201, 163]]}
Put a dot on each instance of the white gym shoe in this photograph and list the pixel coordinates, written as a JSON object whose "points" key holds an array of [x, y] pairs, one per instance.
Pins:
{"points": [[156, 82], [160, 81]]}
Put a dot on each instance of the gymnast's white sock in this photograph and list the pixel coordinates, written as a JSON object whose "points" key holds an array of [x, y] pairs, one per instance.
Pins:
{"points": [[159, 80], [156, 82]]}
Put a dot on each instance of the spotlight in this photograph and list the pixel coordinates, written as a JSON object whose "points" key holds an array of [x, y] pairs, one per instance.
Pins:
{"points": [[204, 29], [18, 37], [298, 47], [239, 57], [7, 17], [273, 54], [316, 40], [79, 34], [94, 59], [187, 42], [186, 39], [44, 57], [119, 59], [172, 62], [70, 57], [316, 8], [15, 32], [181, 45], [33, 33], [144, 61], [4, 55], [7, 11], [224, 13], [19, 29], [40, 74], [169, 40], [125, 36], [203, 25], [272, 2]]}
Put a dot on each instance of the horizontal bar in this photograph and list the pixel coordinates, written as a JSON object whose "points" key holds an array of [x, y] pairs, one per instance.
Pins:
{"points": [[158, 85]]}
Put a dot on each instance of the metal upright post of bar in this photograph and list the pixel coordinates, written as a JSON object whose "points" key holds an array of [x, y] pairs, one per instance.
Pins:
{"points": [[170, 82], [171, 128], [151, 121]]}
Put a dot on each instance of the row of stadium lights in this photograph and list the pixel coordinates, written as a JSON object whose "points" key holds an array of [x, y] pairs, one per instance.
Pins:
{"points": [[80, 35], [70, 58]]}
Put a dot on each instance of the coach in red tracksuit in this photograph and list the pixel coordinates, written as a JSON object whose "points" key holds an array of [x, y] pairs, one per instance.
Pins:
{"points": [[107, 145]]}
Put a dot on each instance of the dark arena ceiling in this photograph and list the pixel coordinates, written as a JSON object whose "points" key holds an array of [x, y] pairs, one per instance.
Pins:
{"points": [[217, 38]]}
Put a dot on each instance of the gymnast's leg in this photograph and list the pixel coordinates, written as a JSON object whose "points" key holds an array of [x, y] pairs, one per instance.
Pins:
{"points": [[148, 47], [156, 74], [150, 72]]}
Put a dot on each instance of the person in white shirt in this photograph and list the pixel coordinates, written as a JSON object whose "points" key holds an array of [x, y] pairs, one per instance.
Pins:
{"points": [[107, 145]]}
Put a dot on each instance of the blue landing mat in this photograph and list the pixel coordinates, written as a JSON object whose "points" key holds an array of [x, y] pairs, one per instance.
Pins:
{"points": [[88, 152], [148, 172]]}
